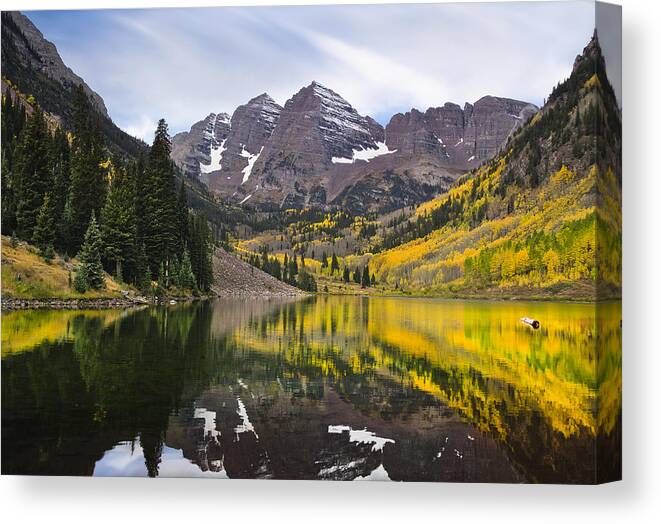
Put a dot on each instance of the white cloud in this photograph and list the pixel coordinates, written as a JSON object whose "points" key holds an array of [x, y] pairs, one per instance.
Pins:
{"points": [[371, 80], [144, 128], [182, 64]]}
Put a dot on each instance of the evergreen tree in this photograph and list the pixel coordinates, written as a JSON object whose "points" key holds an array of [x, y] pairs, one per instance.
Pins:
{"points": [[292, 269], [335, 265], [32, 174], [186, 275], [90, 271], [161, 235], [324, 260], [365, 280], [200, 246], [8, 205], [345, 276], [306, 282], [182, 216], [118, 223], [44, 231], [12, 122], [142, 271], [87, 177], [357, 276], [137, 175], [60, 172]]}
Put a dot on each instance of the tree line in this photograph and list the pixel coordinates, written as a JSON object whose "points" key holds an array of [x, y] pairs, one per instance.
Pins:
{"points": [[65, 193], [289, 271]]}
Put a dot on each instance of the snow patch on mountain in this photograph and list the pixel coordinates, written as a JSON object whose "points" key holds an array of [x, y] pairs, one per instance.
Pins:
{"points": [[251, 162], [365, 154], [216, 147], [216, 158]]}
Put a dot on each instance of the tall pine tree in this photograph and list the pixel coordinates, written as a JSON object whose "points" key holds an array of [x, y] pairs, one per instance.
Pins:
{"points": [[32, 173], [88, 173], [12, 122], [90, 271], [201, 251], [161, 235], [59, 165], [118, 223], [182, 215], [44, 231]]}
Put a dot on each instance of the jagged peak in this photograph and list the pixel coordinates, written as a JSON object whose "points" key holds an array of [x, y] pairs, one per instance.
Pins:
{"points": [[263, 99], [591, 51], [589, 63], [215, 118], [326, 93]]}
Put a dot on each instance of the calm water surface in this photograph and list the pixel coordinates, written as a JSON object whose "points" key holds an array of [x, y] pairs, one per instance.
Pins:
{"points": [[342, 388]]}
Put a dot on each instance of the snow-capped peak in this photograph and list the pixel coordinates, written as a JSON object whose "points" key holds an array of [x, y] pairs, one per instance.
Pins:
{"points": [[343, 130]]}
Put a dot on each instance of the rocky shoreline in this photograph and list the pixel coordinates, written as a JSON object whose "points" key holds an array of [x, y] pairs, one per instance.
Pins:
{"points": [[14, 304], [11, 304]]}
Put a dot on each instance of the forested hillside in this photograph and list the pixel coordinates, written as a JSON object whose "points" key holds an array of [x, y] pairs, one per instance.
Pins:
{"points": [[33, 66], [67, 193], [543, 218]]}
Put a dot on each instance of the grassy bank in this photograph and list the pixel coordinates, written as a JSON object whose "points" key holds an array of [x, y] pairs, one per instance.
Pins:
{"points": [[26, 275]]}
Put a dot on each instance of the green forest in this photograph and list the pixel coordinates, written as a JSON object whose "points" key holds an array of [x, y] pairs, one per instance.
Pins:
{"points": [[67, 194]]}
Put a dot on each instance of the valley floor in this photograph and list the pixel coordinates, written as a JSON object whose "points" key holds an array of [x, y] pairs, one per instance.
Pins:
{"points": [[583, 291], [28, 281]]}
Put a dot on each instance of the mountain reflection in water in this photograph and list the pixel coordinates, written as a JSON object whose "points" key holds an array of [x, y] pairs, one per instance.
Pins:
{"points": [[337, 388]]}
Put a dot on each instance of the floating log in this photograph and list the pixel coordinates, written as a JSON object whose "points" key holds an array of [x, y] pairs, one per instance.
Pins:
{"points": [[531, 322]]}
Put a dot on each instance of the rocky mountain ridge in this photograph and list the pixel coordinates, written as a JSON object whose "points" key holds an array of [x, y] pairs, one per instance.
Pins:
{"points": [[318, 150]]}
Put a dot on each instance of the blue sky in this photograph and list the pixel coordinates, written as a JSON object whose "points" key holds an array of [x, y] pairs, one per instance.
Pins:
{"points": [[182, 64]]}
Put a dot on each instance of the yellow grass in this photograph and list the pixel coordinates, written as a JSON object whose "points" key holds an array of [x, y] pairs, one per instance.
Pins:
{"points": [[27, 275]]}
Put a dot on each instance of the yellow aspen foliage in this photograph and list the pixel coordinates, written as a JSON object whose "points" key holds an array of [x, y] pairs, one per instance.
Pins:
{"points": [[551, 262]]}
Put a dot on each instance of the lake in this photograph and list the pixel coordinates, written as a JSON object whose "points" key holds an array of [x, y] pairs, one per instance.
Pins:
{"points": [[327, 387]]}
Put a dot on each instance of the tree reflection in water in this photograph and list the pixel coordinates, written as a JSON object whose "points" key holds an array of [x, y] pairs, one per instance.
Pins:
{"points": [[330, 388]]}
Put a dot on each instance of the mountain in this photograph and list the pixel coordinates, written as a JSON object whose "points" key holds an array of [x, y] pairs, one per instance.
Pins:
{"points": [[465, 137], [32, 65], [317, 131], [192, 150], [319, 151], [541, 218], [221, 149], [431, 149], [33, 71]]}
